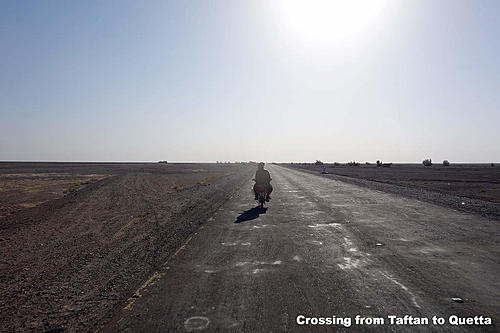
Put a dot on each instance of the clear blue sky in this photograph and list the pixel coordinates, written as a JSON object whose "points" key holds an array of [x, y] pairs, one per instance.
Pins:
{"points": [[250, 80]]}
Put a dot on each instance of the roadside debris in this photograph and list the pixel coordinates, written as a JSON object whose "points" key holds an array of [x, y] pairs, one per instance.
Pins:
{"points": [[380, 244], [457, 299]]}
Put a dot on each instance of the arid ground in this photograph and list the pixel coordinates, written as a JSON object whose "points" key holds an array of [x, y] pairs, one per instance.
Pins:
{"points": [[76, 239], [182, 247]]}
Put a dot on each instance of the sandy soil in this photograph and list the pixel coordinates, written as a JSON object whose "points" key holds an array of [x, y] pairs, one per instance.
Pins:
{"points": [[19, 191], [67, 262]]}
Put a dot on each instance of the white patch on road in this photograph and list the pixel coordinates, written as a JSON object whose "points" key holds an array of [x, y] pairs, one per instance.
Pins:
{"points": [[405, 288], [297, 258], [325, 225], [350, 263], [261, 226], [277, 262], [209, 271], [242, 263], [258, 263], [315, 242], [235, 243], [196, 323], [360, 258], [350, 246]]}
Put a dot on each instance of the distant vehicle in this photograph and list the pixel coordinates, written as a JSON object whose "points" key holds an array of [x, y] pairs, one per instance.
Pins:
{"points": [[427, 162], [324, 172]]}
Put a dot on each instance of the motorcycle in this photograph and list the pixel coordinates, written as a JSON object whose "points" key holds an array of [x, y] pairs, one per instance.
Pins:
{"points": [[261, 195]]}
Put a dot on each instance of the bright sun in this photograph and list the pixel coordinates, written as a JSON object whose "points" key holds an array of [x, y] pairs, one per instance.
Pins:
{"points": [[327, 22]]}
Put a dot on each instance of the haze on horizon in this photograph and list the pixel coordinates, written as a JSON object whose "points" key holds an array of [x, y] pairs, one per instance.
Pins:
{"points": [[278, 81]]}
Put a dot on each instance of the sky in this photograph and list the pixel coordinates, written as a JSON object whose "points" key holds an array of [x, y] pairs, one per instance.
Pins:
{"points": [[278, 81]]}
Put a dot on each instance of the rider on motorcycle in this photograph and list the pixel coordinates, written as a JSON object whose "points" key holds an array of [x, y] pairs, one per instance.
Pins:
{"points": [[262, 179]]}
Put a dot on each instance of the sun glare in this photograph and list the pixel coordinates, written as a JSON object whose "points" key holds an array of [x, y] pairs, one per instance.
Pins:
{"points": [[329, 22]]}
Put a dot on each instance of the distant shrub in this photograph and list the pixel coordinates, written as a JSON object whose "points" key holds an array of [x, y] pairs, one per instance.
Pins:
{"points": [[492, 164], [446, 163], [353, 163], [318, 162], [379, 163], [427, 162]]}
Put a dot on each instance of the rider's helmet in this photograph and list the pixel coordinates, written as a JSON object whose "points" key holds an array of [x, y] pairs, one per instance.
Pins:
{"points": [[261, 165]]}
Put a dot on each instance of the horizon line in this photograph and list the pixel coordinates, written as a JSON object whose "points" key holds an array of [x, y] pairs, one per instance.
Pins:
{"points": [[222, 161]]}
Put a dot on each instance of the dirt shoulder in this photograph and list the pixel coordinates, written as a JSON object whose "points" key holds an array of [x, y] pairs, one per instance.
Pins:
{"points": [[19, 191], [406, 181], [67, 263]]}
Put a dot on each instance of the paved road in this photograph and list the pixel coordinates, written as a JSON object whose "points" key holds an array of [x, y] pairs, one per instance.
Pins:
{"points": [[323, 248]]}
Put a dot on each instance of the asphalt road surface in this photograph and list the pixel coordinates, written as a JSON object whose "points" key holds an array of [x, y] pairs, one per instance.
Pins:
{"points": [[323, 248]]}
